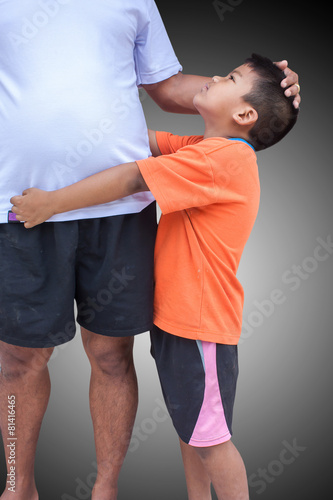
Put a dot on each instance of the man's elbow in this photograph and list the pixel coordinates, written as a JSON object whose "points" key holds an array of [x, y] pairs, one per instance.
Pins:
{"points": [[164, 93]]}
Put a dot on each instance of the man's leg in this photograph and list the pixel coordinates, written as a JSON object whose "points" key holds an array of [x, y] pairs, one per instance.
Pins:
{"points": [[223, 464], [113, 405], [114, 293], [24, 375]]}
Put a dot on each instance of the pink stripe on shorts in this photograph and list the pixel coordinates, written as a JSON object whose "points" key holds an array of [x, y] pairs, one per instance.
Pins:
{"points": [[198, 381], [211, 427]]}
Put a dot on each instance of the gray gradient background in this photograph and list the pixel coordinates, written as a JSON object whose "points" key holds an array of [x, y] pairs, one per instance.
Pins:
{"points": [[284, 390]]}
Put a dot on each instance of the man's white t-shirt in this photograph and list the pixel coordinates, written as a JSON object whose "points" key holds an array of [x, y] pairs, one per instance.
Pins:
{"points": [[69, 99]]}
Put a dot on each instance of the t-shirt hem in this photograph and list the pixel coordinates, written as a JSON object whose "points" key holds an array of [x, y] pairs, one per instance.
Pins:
{"points": [[130, 208], [198, 334]]}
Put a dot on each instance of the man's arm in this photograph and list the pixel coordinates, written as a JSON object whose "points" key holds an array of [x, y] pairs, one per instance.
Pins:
{"points": [[35, 206], [175, 94]]}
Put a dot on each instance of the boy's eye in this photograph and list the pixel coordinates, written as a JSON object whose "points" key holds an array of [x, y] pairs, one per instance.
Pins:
{"points": [[231, 78]]}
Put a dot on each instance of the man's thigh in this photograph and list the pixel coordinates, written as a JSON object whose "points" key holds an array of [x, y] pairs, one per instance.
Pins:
{"points": [[115, 274], [37, 273], [106, 265]]}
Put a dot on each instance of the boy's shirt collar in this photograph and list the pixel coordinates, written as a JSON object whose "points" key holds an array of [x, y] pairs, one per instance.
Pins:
{"points": [[233, 139], [242, 140]]}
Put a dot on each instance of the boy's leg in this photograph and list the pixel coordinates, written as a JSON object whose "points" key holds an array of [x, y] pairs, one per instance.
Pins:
{"points": [[24, 375], [223, 465], [113, 405], [197, 480], [198, 380]]}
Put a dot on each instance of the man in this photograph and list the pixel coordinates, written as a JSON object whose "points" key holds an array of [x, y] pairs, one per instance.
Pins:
{"points": [[68, 92]]}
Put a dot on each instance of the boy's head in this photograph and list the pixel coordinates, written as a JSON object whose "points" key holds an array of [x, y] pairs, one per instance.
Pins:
{"points": [[248, 103]]}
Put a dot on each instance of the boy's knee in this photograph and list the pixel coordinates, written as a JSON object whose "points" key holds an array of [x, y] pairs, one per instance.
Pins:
{"points": [[206, 452], [113, 356], [18, 361]]}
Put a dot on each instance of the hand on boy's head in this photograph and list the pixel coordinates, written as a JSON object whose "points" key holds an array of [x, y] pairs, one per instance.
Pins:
{"points": [[32, 207], [290, 83]]}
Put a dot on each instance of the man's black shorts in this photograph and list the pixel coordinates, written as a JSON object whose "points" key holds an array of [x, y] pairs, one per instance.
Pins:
{"points": [[105, 264]]}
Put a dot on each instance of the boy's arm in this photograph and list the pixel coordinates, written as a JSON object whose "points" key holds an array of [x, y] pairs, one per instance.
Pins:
{"points": [[155, 150], [35, 206]]}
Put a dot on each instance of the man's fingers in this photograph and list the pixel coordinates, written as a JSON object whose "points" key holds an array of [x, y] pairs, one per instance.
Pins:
{"points": [[282, 64], [291, 86], [292, 90], [291, 80], [297, 101]]}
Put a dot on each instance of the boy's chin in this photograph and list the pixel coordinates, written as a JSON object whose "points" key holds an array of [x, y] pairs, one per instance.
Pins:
{"points": [[197, 103], [195, 100]]}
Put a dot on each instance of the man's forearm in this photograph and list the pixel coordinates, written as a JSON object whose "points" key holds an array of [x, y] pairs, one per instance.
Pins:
{"points": [[175, 94]]}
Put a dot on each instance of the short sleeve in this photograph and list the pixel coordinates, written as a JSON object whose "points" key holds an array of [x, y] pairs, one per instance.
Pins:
{"points": [[181, 180], [155, 59], [170, 143]]}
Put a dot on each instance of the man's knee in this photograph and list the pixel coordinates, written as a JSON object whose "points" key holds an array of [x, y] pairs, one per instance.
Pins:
{"points": [[113, 355], [18, 361]]}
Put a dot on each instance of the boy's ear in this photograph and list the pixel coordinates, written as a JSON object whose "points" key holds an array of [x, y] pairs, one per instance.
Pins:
{"points": [[246, 116]]}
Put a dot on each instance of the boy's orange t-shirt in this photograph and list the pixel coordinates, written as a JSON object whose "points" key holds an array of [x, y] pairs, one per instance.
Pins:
{"points": [[208, 191]]}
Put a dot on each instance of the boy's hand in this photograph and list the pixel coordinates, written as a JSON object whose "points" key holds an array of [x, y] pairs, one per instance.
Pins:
{"points": [[290, 83], [33, 206]]}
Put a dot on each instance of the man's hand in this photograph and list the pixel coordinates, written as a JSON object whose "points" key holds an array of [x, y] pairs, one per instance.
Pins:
{"points": [[290, 83], [33, 206]]}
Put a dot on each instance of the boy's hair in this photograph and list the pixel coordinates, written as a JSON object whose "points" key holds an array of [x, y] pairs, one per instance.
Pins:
{"points": [[276, 112]]}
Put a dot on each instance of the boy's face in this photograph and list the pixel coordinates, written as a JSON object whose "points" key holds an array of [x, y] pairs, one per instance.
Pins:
{"points": [[222, 96]]}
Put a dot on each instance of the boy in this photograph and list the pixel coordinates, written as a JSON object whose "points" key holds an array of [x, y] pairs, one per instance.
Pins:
{"points": [[208, 190]]}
